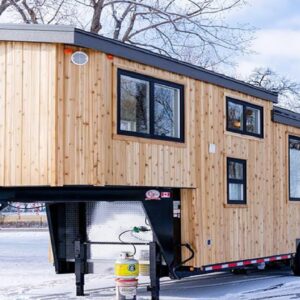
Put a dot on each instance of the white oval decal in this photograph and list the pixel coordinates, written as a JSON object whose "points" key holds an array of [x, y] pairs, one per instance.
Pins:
{"points": [[152, 195]]}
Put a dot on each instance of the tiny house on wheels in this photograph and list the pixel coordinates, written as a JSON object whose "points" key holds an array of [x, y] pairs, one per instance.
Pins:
{"points": [[131, 149]]}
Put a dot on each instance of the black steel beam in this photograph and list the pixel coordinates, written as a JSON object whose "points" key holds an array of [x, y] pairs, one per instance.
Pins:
{"points": [[73, 194], [155, 270], [80, 261]]}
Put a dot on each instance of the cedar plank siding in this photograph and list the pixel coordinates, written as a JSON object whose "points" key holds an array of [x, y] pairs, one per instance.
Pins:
{"points": [[58, 127]]}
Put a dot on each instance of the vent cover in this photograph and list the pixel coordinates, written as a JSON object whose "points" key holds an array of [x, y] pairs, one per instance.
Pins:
{"points": [[79, 58]]}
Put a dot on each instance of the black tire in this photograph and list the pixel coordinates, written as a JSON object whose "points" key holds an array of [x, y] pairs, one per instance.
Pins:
{"points": [[296, 262], [239, 271]]}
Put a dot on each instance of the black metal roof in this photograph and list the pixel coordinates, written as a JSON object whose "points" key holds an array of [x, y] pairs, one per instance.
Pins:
{"points": [[285, 116], [73, 36]]}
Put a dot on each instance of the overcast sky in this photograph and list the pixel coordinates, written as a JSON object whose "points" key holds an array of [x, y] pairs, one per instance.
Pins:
{"points": [[277, 40]]}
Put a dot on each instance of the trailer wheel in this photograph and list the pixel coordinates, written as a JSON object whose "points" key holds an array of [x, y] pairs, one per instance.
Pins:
{"points": [[241, 271], [296, 262]]}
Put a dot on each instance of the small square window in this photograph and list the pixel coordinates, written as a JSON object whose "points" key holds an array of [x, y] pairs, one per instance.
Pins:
{"points": [[235, 170], [236, 181], [236, 192], [244, 118]]}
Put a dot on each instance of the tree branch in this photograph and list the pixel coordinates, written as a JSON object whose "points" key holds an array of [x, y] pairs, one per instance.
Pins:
{"points": [[4, 4]]}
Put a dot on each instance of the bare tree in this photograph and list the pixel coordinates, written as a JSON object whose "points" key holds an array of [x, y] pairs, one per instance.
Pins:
{"points": [[43, 11], [192, 30], [4, 4], [287, 89]]}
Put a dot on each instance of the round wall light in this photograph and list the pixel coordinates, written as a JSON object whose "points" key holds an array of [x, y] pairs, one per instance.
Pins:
{"points": [[79, 58]]}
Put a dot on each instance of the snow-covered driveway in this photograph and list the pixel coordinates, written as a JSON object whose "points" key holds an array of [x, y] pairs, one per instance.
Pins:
{"points": [[25, 273]]}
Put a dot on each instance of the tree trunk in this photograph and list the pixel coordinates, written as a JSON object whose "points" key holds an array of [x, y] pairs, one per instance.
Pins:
{"points": [[96, 24]]}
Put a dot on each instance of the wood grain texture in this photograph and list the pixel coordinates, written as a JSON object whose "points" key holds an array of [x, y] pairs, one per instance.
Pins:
{"points": [[93, 152], [27, 101], [58, 127]]}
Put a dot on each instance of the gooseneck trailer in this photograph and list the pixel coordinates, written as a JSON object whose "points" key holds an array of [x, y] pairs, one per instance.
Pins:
{"points": [[120, 143]]}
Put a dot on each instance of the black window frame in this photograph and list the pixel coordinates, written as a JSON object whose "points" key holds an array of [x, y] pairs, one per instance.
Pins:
{"points": [[152, 81], [238, 181], [245, 105], [289, 161]]}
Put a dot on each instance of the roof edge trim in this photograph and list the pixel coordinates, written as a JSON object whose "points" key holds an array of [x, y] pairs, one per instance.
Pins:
{"points": [[77, 37], [140, 55], [286, 117]]}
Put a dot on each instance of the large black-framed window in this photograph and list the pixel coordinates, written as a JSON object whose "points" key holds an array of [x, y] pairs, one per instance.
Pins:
{"points": [[294, 168], [150, 107], [243, 117], [236, 181]]}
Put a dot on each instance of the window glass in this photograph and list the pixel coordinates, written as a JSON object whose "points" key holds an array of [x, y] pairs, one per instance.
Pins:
{"points": [[294, 145], [134, 113], [244, 118], [253, 120], [150, 107], [166, 111], [236, 181], [235, 116], [236, 192], [235, 170]]}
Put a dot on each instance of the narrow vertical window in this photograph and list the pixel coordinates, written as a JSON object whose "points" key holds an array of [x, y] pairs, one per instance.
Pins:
{"points": [[236, 181], [294, 167]]}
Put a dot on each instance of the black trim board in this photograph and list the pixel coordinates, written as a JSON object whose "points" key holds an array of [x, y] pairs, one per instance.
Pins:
{"points": [[81, 38], [286, 117]]}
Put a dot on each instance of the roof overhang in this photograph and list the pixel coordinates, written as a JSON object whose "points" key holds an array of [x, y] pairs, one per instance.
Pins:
{"points": [[285, 116], [73, 36]]}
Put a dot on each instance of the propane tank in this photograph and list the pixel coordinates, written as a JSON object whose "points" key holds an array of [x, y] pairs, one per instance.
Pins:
{"points": [[126, 267], [126, 289]]}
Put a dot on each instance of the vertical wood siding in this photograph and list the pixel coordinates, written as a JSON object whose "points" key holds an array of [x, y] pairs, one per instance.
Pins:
{"points": [[218, 232], [269, 223], [92, 151], [27, 116], [58, 127]]}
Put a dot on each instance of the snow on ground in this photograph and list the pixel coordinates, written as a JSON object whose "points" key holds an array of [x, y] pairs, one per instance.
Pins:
{"points": [[25, 273]]}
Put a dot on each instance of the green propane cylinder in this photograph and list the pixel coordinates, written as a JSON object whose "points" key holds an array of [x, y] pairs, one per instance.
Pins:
{"points": [[126, 266]]}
